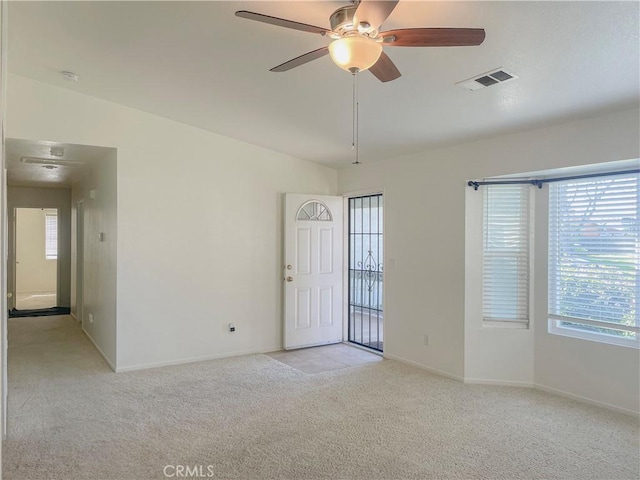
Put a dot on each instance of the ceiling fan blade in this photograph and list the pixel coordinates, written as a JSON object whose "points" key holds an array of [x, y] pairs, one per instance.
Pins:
{"points": [[280, 22], [384, 69], [434, 37], [301, 60], [374, 12]]}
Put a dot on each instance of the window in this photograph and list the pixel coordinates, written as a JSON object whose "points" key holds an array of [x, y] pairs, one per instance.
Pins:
{"points": [[313, 210], [51, 236], [505, 254], [594, 258]]}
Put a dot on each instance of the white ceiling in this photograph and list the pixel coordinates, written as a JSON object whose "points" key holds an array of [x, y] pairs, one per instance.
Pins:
{"points": [[197, 63], [20, 174]]}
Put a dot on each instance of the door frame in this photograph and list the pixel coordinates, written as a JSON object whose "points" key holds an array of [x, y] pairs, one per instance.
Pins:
{"points": [[337, 305], [13, 258], [345, 248], [79, 314]]}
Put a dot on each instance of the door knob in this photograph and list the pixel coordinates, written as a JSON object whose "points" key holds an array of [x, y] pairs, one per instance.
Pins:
{"points": [[289, 267], [289, 279]]}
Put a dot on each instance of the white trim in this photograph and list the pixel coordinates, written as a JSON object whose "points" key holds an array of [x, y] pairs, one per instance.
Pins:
{"points": [[4, 223], [345, 269], [73, 315], [588, 400], [554, 329], [106, 359], [595, 323], [498, 383], [423, 367], [204, 358], [518, 324]]}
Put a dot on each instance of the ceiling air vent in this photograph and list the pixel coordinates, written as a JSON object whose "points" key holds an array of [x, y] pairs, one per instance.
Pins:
{"points": [[483, 80]]}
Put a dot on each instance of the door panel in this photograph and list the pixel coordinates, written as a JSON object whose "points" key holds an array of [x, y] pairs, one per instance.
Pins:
{"points": [[326, 250], [313, 271], [326, 306], [303, 251], [303, 308]]}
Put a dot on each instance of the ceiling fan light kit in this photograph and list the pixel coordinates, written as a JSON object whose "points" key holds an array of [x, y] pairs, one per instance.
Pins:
{"points": [[355, 53]]}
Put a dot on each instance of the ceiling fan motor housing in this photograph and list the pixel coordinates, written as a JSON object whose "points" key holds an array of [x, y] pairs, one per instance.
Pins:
{"points": [[343, 21]]}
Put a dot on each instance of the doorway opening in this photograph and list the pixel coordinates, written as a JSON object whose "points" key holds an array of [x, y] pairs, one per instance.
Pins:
{"points": [[36, 258], [366, 271]]}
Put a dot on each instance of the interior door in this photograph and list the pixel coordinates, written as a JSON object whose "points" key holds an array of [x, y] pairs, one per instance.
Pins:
{"points": [[313, 270]]}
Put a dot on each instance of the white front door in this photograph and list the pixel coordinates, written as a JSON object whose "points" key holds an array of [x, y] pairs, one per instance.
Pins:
{"points": [[313, 270]]}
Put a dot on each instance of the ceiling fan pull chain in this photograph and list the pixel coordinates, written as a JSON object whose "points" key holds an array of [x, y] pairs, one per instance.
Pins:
{"points": [[353, 113], [356, 119]]}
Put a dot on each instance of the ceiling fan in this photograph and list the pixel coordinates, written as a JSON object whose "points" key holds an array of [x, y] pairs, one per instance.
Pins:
{"points": [[357, 39]]}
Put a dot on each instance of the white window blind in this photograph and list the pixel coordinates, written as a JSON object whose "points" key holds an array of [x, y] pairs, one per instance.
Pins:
{"points": [[505, 262], [594, 256], [51, 236]]}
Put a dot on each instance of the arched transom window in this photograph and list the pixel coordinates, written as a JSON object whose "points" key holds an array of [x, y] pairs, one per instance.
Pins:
{"points": [[315, 211]]}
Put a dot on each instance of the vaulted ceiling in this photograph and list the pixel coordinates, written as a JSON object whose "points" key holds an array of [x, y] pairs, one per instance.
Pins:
{"points": [[195, 62]]}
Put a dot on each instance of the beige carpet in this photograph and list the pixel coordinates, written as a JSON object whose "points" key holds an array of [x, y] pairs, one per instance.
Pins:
{"points": [[254, 417]]}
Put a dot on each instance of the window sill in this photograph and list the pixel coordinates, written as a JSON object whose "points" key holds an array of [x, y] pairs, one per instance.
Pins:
{"points": [[505, 325], [554, 329]]}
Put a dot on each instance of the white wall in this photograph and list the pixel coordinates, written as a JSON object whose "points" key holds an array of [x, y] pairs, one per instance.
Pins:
{"points": [[59, 198], [425, 238], [199, 224], [98, 191], [596, 371], [3, 224], [34, 272]]}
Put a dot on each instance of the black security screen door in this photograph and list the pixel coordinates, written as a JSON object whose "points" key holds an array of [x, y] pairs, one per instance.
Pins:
{"points": [[365, 271]]}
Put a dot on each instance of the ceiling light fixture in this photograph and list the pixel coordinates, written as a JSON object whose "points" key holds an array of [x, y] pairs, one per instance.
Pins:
{"points": [[355, 53], [70, 76]]}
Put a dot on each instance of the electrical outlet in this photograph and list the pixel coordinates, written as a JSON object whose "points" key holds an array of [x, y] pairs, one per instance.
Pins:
{"points": [[232, 328], [426, 340], [91, 318]]}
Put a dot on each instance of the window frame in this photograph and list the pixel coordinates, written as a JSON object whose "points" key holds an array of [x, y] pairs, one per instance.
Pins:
{"points": [[530, 232], [555, 322]]}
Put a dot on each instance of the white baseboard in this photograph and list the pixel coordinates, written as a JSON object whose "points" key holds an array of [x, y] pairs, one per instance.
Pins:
{"points": [[73, 315], [423, 367], [510, 383], [582, 399], [470, 381], [204, 358], [106, 359], [500, 383]]}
